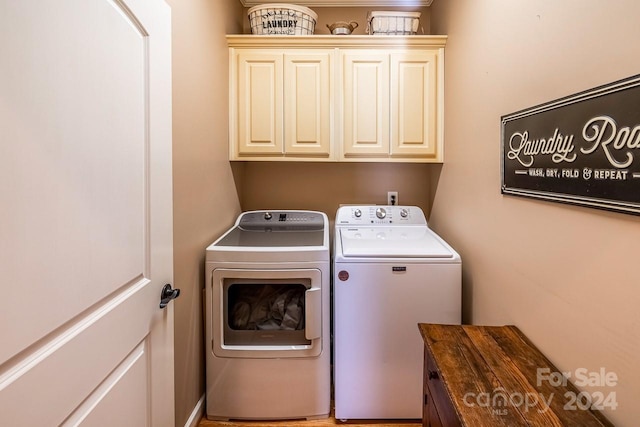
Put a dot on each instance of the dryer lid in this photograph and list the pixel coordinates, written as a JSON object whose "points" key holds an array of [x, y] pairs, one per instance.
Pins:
{"points": [[276, 229], [393, 242], [271, 238]]}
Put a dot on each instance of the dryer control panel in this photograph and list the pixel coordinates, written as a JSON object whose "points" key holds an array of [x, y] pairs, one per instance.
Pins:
{"points": [[380, 215], [281, 220]]}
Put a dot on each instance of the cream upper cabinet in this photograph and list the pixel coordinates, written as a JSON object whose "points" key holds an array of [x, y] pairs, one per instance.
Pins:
{"points": [[280, 104], [337, 98], [390, 102], [307, 109], [365, 99], [259, 101], [414, 105]]}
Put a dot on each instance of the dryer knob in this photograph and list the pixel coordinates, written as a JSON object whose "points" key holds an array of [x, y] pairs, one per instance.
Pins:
{"points": [[268, 216], [357, 213], [404, 213], [381, 213]]}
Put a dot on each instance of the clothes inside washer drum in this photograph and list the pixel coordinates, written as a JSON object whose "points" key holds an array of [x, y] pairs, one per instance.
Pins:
{"points": [[272, 308]]}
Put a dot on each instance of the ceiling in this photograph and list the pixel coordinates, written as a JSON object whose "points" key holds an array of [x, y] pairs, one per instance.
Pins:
{"points": [[344, 3]]}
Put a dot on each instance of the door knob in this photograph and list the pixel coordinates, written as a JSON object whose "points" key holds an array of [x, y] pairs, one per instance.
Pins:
{"points": [[167, 295]]}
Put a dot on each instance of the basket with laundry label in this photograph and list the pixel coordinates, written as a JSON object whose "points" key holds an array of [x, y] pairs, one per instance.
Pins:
{"points": [[282, 19]]}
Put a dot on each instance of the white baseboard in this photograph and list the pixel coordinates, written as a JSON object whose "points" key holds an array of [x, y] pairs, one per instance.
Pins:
{"points": [[196, 414]]}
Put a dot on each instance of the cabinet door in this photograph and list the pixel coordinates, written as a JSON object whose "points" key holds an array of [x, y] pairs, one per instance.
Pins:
{"points": [[259, 103], [442, 411], [366, 104], [414, 94], [307, 104]]}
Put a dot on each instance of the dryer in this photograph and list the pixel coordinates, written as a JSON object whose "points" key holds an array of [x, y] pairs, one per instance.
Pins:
{"points": [[391, 272], [267, 318]]}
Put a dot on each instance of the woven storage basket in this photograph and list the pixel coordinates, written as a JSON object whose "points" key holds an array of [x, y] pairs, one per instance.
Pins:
{"points": [[393, 23], [281, 18]]}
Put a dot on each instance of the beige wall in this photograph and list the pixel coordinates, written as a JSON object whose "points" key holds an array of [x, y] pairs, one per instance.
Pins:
{"points": [[324, 186], [205, 197], [566, 276]]}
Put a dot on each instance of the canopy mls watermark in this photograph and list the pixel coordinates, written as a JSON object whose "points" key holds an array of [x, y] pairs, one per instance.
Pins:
{"points": [[500, 401]]}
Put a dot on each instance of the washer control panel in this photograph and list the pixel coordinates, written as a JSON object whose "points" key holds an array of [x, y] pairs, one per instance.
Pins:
{"points": [[380, 215]]}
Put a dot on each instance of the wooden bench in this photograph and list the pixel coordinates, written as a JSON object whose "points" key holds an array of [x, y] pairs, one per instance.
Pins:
{"points": [[494, 376]]}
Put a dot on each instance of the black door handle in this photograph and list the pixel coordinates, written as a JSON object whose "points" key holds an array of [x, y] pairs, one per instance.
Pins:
{"points": [[167, 295]]}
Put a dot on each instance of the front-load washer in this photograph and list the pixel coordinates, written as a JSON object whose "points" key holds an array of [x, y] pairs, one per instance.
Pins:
{"points": [[268, 318], [391, 272]]}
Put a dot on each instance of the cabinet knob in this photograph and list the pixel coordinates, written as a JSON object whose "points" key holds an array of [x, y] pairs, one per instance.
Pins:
{"points": [[433, 375]]}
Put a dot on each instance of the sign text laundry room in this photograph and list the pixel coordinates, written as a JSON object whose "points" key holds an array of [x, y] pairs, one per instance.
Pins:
{"points": [[582, 149]]}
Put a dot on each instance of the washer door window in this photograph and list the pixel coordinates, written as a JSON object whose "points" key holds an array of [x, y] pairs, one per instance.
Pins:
{"points": [[264, 312]]}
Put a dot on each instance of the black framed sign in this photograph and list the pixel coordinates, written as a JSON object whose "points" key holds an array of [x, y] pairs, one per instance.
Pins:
{"points": [[582, 149]]}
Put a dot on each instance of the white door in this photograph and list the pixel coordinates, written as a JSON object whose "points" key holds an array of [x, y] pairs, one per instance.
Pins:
{"points": [[85, 213]]}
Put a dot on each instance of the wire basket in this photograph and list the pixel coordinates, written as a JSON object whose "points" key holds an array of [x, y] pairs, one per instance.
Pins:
{"points": [[280, 18], [393, 23]]}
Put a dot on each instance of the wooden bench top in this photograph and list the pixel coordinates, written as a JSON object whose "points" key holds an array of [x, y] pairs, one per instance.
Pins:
{"points": [[495, 376]]}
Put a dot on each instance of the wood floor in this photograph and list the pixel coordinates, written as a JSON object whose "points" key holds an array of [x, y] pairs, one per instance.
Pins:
{"points": [[331, 421]]}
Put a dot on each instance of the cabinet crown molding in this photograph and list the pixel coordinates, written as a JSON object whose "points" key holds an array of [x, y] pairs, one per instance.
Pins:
{"points": [[345, 3], [331, 41]]}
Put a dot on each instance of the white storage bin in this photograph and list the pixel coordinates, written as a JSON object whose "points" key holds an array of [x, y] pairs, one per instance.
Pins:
{"points": [[393, 23], [281, 18]]}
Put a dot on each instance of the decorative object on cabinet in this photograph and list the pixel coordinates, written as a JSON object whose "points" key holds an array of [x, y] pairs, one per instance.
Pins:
{"points": [[349, 3], [329, 98], [393, 23], [282, 19], [342, 28]]}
